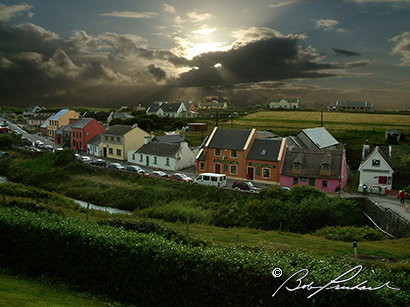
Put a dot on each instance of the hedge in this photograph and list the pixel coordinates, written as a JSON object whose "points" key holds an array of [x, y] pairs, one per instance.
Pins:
{"points": [[149, 270]]}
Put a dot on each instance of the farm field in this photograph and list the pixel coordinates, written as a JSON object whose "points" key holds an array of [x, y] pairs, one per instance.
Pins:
{"points": [[332, 121]]}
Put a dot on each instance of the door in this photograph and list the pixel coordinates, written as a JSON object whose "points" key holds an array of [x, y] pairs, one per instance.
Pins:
{"points": [[250, 173], [312, 182], [218, 168], [105, 152], [147, 161]]}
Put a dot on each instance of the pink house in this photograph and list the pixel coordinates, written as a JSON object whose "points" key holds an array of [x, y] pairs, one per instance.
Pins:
{"points": [[315, 158]]}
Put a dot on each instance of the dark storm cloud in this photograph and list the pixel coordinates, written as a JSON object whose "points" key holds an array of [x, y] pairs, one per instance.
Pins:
{"points": [[345, 52], [157, 72], [272, 59]]}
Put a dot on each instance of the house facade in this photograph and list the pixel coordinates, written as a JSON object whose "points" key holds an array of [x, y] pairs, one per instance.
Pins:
{"points": [[83, 130], [59, 119], [214, 104], [166, 156], [118, 140], [284, 104], [37, 119], [375, 170], [326, 170], [314, 157], [225, 152], [94, 146], [165, 109], [347, 105]]}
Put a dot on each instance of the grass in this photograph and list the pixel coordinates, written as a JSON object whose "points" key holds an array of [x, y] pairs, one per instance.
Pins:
{"points": [[17, 291], [387, 252]]}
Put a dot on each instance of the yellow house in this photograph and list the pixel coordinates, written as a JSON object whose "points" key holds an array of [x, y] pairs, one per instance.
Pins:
{"points": [[61, 118], [119, 139]]}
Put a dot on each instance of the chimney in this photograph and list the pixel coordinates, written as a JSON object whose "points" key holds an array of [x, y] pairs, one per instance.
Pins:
{"points": [[147, 139]]}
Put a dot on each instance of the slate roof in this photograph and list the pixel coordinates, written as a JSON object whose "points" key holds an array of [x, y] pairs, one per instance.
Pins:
{"points": [[59, 114], [68, 127], [176, 138], [348, 103], [122, 115], [45, 124], [155, 106], [159, 149], [95, 140], [265, 149], [99, 116], [229, 139], [320, 137], [81, 123], [311, 161], [118, 130], [60, 130]]}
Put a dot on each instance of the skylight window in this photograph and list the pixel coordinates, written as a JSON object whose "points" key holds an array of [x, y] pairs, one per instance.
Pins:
{"points": [[264, 152]]}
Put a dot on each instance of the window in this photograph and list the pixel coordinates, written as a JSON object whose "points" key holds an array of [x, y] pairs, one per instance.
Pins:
{"points": [[324, 184], [234, 153], [217, 152], [110, 151], [141, 158], [266, 173], [106, 138], [325, 167], [133, 156], [118, 139], [202, 166], [112, 139], [234, 169], [118, 152], [382, 180], [297, 165], [264, 151], [375, 162], [167, 161], [295, 180], [155, 160]]}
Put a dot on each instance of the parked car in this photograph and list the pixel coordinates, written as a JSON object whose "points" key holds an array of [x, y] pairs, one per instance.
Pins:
{"points": [[116, 166], [217, 180], [181, 177], [40, 145], [159, 174], [85, 159], [135, 168], [77, 156], [48, 147], [99, 162], [245, 186]]}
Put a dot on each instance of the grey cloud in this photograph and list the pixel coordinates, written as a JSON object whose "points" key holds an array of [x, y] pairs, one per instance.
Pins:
{"points": [[157, 72], [272, 59], [345, 52], [8, 12]]}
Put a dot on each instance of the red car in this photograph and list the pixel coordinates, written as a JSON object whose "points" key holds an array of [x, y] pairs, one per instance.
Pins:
{"points": [[159, 174], [181, 177]]}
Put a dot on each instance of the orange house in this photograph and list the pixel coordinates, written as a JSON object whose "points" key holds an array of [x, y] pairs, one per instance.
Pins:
{"points": [[225, 152], [241, 154]]}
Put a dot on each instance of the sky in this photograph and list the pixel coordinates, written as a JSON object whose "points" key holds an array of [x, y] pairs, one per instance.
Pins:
{"points": [[104, 53]]}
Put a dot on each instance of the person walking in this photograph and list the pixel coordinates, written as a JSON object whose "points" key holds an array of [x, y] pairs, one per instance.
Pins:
{"points": [[402, 195]]}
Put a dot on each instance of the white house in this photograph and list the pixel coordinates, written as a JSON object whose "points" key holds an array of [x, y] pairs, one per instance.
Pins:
{"points": [[284, 104], [94, 146], [375, 170], [166, 156]]}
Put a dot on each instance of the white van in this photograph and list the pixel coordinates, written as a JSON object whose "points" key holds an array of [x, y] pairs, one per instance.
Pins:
{"points": [[218, 180]]}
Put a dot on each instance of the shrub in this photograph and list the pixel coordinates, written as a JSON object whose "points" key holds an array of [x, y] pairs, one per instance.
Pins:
{"points": [[147, 270], [350, 233]]}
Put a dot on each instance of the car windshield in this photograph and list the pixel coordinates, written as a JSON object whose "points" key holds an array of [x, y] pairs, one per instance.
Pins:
{"points": [[250, 184], [183, 175]]}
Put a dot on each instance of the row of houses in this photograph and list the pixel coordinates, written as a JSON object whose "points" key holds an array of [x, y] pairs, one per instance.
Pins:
{"points": [[313, 157]]}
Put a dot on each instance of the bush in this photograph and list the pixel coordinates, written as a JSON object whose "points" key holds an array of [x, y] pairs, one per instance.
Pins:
{"points": [[350, 233], [147, 270]]}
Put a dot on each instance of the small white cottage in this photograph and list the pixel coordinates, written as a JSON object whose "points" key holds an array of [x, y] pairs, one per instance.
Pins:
{"points": [[375, 170]]}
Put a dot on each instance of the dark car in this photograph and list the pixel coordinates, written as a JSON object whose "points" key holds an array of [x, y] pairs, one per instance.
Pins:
{"points": [[135, 168], [245, 186], [116, 166], [181, 177], [159, 174], [99, 162]]}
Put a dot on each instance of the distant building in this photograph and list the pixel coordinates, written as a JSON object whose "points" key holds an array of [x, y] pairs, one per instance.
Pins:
{"points": [[31, 110], [59, 119], [214, 104], [284, 104], [347, 105]]}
